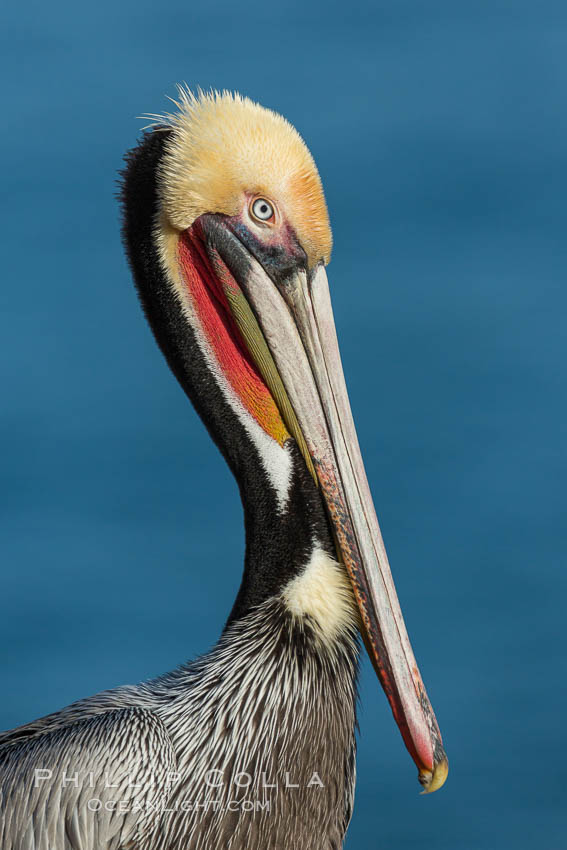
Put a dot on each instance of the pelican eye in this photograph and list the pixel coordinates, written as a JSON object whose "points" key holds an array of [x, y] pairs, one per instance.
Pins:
{"points": [[262, 209]]}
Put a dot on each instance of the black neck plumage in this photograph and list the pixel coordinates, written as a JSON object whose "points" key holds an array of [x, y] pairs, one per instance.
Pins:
{"points": [[278, 543]]}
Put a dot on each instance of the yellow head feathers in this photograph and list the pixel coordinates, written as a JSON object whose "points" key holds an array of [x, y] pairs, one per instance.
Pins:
{"points": [[225, 146]]}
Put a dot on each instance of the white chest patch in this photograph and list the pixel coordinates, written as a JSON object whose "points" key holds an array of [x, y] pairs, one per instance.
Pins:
{"points": [[323, 593]]}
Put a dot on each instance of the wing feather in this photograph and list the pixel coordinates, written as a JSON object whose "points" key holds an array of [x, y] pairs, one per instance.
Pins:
{"points": [[101, 784]]}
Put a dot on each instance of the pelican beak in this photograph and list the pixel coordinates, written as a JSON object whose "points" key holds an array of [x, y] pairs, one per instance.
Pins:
{"points": [[286, 319]]}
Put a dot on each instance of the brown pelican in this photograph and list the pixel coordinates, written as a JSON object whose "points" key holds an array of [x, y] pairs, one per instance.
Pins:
{"points": [[253, 744]]}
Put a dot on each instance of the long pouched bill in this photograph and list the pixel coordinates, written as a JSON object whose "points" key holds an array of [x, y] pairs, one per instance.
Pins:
{"points": [[290, 331]]}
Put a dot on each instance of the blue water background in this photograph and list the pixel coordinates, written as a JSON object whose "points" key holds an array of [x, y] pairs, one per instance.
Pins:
{"points": [[440, 130]]}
